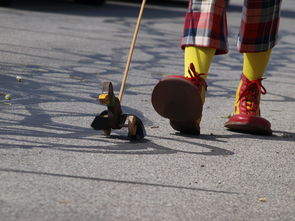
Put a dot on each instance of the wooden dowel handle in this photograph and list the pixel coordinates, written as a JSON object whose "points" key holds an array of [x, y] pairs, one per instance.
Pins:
{"points": [[131, 51]]}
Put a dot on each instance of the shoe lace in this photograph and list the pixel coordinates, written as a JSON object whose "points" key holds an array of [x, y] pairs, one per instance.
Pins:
{"points": [[196, 77], [249, 97]]}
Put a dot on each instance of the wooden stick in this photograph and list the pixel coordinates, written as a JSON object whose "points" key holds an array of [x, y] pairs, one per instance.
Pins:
{"points": [[131, 51]]}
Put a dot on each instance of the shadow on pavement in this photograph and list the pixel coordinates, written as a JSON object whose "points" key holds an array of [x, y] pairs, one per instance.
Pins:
{"points": [[32, 92], [138, 183]]}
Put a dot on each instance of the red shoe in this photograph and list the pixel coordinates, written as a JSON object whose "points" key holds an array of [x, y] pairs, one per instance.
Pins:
{"points": [[246, 117], [179, 99]]}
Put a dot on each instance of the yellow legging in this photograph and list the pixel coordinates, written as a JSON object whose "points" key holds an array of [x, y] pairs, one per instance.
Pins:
{"points": [[201, 58], [255, 64], [253, 68]]}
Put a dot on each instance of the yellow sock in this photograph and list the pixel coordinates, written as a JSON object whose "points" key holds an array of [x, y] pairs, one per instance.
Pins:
{"points": [[201, 57], [255, 64]]}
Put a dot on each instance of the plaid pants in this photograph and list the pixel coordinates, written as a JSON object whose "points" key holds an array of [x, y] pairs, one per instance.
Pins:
{"points": [[206, 26]]}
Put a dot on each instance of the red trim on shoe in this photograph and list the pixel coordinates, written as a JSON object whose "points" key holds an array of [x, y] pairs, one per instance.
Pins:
{"points": [[249, 124], [253, 120]]}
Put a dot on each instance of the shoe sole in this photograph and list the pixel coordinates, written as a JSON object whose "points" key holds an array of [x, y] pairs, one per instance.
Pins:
{"points": [[184, 127], [177, 99], [247, 128]]}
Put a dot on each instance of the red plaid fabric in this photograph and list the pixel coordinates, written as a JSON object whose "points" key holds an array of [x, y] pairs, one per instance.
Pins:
{"points": [[206, 26]]}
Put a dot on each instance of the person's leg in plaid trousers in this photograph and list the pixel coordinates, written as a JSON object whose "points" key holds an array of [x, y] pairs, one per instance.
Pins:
{"points": [[205, 35]]}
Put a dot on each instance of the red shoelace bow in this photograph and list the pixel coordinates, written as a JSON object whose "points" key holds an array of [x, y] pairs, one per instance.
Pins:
{"points": [[195, 77], [249, 97]]}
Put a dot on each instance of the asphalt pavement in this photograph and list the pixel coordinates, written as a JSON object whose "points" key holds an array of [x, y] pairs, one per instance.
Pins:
{"points": [[54, 56]]}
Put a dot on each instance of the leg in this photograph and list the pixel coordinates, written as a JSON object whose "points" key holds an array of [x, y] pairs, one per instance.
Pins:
{"points": [[256, 40], [205, 25], [201, 58], [255, 64], [205, 34]]}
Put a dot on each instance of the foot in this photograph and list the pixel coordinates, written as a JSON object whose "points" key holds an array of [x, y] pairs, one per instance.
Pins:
{"points": [[179, 99], [246, 117]]}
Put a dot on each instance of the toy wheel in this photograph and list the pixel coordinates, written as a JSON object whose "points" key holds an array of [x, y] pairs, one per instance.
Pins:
{"points": [[136, 129], [132, 126]]}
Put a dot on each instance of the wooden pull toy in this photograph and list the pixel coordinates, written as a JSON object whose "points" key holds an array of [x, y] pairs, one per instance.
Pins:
{"points": [[113, 117]]}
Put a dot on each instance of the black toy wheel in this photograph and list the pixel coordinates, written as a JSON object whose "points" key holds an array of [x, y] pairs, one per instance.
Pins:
{"points": [[101, 121]]}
